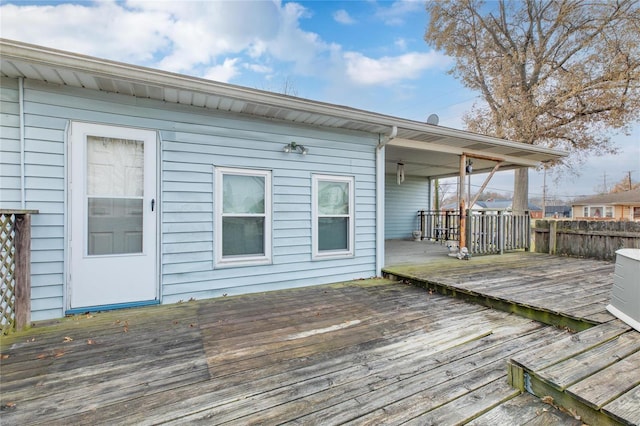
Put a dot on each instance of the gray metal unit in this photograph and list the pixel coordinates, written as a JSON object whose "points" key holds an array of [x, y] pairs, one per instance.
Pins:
{"points": [[625, 295]]}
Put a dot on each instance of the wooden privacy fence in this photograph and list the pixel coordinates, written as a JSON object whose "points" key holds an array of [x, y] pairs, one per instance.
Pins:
{"points": [[596, 239], [15, 269], [486, 231]]}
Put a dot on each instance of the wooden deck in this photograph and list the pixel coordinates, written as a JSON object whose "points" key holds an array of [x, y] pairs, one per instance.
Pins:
{"points": [[594, 373], [366, 352]]}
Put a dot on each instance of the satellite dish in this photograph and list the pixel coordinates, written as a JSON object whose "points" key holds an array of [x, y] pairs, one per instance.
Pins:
{"points": [[433, 119]]}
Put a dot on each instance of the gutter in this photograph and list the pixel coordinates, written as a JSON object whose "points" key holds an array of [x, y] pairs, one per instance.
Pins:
{"points": [[383, 141], [18, 51]]}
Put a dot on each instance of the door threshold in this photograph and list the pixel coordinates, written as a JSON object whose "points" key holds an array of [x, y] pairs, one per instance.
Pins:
{"points": [[111, 307]]}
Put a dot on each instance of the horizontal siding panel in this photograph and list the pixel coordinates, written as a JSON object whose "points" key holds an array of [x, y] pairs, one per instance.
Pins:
{"points": [[189, 257], [412, 195], [259, 278], [187, 227], [184, 237], [36, 145], [52, 304], [44, 195], [47, 231], [32, 182], [190, 187], [9, 119], [10, 158], [9, 92], [10, 197], [47, 280], [292, 224], [187, 207], [181, 197], [11, 133], [297, 241], [187, 176], [44, 268], [47, 256], [8, 145], [9, 169], [40, 170], [186, 267], [45, 122], [44, 159], [187, 247], [186, 217], [45, 292], [44, 134], [45, 207]]}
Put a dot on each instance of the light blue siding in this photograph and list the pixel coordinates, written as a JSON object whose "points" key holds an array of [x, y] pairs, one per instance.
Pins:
{"points": [[402, 203], [10, 180], [193, 142]]}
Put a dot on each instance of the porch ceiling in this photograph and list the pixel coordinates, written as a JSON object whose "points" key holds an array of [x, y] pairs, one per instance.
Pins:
{"points": [[426, 150]]}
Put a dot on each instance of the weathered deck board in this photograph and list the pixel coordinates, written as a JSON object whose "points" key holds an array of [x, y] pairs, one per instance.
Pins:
{"points": [[625, 408], [599, 389], [530, 410], [574, 289], [596, 371], [566, 373], [343, 352]]}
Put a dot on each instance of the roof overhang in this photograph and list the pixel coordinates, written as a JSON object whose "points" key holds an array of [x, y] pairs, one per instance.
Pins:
{"points": [[427, 150]]}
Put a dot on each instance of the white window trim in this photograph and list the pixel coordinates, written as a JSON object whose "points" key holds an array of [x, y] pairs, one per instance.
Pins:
{"points": [[248, 260], [332, 254], [608, 211]]}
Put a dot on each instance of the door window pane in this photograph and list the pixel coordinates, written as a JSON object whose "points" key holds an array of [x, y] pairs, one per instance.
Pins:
{"points": [[114, 226], [115, 190], [115, 167]]}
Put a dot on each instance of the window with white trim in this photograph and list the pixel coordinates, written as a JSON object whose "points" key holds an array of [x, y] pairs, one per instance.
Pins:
{"points": [[333, 216], [598, 211], [243, 216]]}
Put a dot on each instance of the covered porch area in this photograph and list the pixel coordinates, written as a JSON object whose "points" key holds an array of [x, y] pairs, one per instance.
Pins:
{"points": [[414, 160]]}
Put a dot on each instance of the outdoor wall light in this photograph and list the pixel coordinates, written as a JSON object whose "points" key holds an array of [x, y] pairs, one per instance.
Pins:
{"points": [[469, 166], [294, 147]]}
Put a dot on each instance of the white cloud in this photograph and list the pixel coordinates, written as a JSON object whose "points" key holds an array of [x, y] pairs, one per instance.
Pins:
{"points": [[103, 29], [400, 43], [342, 16], [394, 15], [263, 69], [224, 72], [390, 69]]}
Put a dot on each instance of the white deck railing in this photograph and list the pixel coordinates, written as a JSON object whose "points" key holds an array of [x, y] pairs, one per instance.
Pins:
{"points": [[487, 231]]}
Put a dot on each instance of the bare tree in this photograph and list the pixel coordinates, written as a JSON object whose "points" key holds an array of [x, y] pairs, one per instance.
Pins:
{"points": [[557, 73], [626, 184]]}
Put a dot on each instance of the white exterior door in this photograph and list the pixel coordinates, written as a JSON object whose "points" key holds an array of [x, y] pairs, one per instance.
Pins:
{"points": [[113, 216]]}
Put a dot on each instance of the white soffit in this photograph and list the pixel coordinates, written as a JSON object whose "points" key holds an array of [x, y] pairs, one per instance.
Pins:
{"points": [[32, 62]]}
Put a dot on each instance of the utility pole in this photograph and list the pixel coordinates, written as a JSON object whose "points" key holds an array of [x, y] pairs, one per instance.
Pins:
{"points": [[630, 186]]}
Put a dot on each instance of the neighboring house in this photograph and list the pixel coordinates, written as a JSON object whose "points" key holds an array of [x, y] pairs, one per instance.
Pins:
{"points": [[616, 206], [155, 187], [503, 204], [558, 211]]}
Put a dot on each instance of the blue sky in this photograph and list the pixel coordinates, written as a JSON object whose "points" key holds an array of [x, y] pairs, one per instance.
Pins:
{"points": [[363, 54]]}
